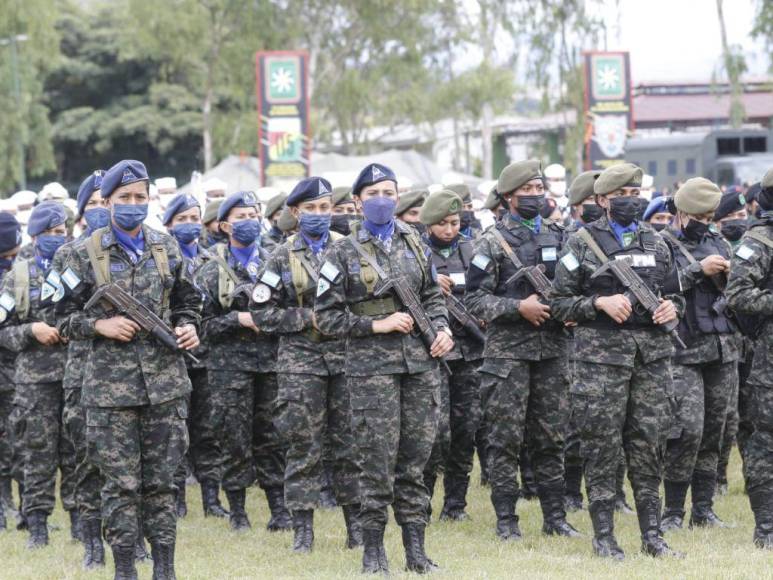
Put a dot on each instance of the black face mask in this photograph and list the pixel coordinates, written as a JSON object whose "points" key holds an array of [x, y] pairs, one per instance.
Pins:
{"points": [[467, 219], [529, 206], [441, 244], [216, 238], [591, 212], [342, 223], [420, 227], [623, 210], [695, 230], [659, 227], [732, 230]]}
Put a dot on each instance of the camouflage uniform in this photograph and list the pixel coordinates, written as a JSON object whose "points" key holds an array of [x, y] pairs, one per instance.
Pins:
{"points": [[7, 364], [393, 382], [525, 373], [705, 375], [134, 393]]}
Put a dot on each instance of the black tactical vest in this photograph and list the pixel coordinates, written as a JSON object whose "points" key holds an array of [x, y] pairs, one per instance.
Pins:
{"points": [[455, 265]]}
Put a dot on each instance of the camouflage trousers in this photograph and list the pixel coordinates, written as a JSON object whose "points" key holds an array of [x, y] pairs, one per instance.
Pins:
{"points": [[616, 406], [531, 396], [394, 420], [313, 410], [137, 450], [702, 394], [6, 449], [464, 392], [206, 449], [88, 480], [441, 446]]}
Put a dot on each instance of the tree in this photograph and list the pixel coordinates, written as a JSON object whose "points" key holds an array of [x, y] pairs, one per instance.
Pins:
{"points": [[763, 27], [733, 65]]}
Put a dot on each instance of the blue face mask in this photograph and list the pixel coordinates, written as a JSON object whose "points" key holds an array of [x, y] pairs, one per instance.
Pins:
{"points": [[97, 217], [47, 245], [314, 225], [379, 210], [186, 233], [246, 231], [128, 216]]}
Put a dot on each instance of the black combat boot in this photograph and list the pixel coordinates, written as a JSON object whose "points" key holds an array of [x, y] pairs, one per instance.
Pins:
{"points": [[416, 559], [455, 498], [430, 479], [353, 528], [702, 514], [6, 494], [123, 557], [76, 533], [280, 520], [238, 516], [507, 522], [163, 561], [762, 507], [652, 542], [673, 515], [210, 500], [374, 558], [551, 501], [572, 488], [37, 523], [3, 522], [94, 550], [303, 530], [21, 517], [181, 505], [604, 542]]}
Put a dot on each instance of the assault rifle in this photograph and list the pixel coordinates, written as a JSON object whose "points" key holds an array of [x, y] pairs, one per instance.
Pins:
{"points": [[467, 320], [535, 275]]}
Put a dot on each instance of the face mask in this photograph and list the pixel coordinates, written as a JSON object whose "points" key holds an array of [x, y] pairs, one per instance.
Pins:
{"points": [[97, 217], [467, 219], [438, 243], [129, 216], [695, 230], [530, 206], [246, 231], [591, 212], [420, 227], [186, 233], [313, 224], [732, 230], [216, 238], [47, 245], [623, 210], [659, 227], [379, 210], [6, 264], [342, 223]]}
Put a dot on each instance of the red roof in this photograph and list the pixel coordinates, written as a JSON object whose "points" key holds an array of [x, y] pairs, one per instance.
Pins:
{"points": [[659, 109]]}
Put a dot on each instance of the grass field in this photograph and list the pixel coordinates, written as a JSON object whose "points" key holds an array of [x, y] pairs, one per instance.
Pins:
{"points": [[206, 549]]}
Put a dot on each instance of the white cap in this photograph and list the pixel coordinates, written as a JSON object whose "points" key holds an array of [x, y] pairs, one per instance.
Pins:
{"points": [[166, 183], [152, 191], [8, 206], [214, 184], [24, 199], [71, 204], [555, 171], [646, 181], [53, 191]]}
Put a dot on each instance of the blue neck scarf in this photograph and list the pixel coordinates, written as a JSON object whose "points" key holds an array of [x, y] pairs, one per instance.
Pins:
{"points": [[382, 231], [133, 246], [466, 232], [248, 258], [189, 251], [316, 245], [43, 263], [533, 224], [619, 230]]}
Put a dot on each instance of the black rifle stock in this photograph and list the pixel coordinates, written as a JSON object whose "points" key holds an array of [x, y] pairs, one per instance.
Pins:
{"points": [[535, 275], [467, 320]]}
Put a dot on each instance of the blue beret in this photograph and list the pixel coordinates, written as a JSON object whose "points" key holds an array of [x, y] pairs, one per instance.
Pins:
{"points": [[373, 173], [309, 188], [45, 216], [10, 232], [123, 173], [91, 184], [657, 205], [238, 199], [181, 202]]}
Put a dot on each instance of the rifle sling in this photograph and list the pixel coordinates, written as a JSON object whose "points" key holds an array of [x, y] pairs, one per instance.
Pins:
{"points": [[586, 236], [760, 237], [507, 249], [371, 260]]}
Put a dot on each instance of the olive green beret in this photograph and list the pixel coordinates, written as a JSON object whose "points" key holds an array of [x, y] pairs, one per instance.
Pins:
{"points": [[274, 204], [286, 221], [462, 190], [492, 200], [516, 174], [412, 198], [342, 195], [697, 195], [210, 214], [767, 180], [617, 176], [582, 186], [440, 205]]}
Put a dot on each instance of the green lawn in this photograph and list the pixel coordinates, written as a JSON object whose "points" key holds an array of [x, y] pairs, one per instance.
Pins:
{"points": [[207, 549]]}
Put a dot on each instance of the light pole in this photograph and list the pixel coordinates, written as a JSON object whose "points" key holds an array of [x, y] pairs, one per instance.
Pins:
{"points": [[12, 41]]}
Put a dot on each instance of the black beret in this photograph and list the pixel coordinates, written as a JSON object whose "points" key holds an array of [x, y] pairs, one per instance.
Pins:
{"points": [[730, 202], [10, 232], [308, 189]]}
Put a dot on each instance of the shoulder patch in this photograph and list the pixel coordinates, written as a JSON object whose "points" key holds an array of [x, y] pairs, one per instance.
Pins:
{"points": [[570, 262], [71, 279], [330, 272], [322, 286], [481, 262], [744, 252], [7, 302], [270, 278], [261, 293]]}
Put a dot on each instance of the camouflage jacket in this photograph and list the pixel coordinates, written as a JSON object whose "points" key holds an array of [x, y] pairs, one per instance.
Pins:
{"points": [[143, 371], [509, 336], [192, 266], [7, 364], [341, 302], [302, 348], [230, 345], [597, 338]]}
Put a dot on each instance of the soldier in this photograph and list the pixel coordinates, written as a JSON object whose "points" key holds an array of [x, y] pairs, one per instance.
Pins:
{"points": [[287, 222], [658, 214], [392, 378], [409, 208], [313, 400], [273, 211], [584, 209], [214, 189], [525, 373], [183, 221], [241, 365], [469, 225], [706, 372], [28, 328], [134, 388], [451, 256], [749, 293], [344, 211], [622, 379], [10, 242], [211, 234]]}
